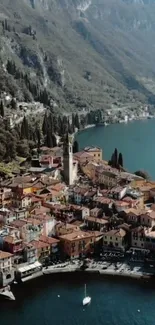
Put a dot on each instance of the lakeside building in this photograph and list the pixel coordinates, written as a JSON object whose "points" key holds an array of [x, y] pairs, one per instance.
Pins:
{"points": [[115, 239], [6, 268], [77, 243]]}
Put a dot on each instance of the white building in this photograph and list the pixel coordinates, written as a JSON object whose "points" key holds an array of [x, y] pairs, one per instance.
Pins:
{"points": [[6, 269]]}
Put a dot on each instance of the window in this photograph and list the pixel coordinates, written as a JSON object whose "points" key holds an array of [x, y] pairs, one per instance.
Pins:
{"points": [[116, 238], [110, 238], [105, 237], [98, 154], [116, 244]]}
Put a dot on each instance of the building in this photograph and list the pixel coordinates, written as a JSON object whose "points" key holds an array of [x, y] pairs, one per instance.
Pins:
{"points": [[21, 201], [14, 245], [30, 253], [95, 152], [62, 228], [54, 246], [43, 249], [115, 239], [150, 239], [5, 197], [106, 177], [6, 269], [96, 212], [77, 243], [138, 237], [94, 223]]}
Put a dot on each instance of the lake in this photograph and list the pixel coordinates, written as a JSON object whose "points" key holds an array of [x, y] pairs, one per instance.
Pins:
{"points": [[135, 140], [115, 301]]}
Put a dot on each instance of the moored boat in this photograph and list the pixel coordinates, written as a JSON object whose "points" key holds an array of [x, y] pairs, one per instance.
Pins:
{"points": [[86, 299]]}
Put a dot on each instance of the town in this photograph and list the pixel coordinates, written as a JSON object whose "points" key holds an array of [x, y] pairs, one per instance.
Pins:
{"points": [[73, 211]]}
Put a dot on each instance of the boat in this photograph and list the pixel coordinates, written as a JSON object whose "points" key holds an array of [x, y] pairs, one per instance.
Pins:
{"points": [[86, 299], [7, 293]]}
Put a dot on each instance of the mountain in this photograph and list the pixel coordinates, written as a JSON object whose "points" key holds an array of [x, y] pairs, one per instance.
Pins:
{"points": [[78, 53]]}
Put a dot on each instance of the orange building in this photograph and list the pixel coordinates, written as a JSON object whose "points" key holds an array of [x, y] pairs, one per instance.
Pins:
{"points": [[77, 243]]}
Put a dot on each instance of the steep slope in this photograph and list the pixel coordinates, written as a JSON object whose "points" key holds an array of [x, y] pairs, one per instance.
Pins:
{"points": [[80, 53]]}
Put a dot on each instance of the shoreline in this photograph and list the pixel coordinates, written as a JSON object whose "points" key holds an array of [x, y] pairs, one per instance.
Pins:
{"points": [[122, 270], [118, 122]]}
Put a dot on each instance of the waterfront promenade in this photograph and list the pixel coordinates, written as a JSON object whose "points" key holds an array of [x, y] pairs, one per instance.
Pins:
{"points": [[102, 268]]}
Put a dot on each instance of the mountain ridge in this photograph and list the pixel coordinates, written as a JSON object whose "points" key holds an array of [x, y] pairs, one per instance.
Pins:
{"points": [[85, 54]]}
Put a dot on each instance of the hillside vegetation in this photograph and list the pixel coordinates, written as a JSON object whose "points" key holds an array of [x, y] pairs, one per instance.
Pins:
{"points": [[78, 54]]}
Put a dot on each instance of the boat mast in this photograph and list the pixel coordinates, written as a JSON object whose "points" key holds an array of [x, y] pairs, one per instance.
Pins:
{"points": [[85, 290]]}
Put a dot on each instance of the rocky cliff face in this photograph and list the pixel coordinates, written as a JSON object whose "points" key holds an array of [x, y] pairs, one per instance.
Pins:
{"points": [[48, 47]]}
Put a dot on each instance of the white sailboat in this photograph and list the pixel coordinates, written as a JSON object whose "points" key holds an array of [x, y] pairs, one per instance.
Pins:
{"points": [[86, 299]]}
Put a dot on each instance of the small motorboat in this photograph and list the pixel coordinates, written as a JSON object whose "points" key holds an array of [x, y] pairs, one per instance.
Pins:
{"points": [[86, 299]]}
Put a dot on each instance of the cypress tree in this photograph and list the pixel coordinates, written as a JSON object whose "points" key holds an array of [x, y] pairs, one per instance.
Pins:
{"points": [[1, 108], [120, 159], [112, 160], [24, 129], [116, 157], [38, 138], [76, 121], [75, 147], [49, 139], [45, 125]]}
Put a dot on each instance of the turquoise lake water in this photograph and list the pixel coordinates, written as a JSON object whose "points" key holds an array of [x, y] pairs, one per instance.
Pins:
{"points": [[136, 141], [114, 302]]}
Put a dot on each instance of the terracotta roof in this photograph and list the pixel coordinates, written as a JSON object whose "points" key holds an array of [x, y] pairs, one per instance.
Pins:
{"points": [[40, 210], [77, 235], [97, 220], [4, 255], [49, 240], [18, 223], [82, 154], [34, 222], [139, 229], [39, 244], [11, 239], [116, 232]]}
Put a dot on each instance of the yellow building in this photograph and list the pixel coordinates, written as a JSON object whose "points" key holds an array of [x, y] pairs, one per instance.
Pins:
{"points": [[96, 152], [115, 239]]}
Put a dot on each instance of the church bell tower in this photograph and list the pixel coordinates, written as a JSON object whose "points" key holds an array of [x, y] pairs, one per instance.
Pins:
{"points": [[68, 159]]}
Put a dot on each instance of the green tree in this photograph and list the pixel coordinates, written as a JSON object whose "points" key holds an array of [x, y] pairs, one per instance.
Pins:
{"points": [[120, 160], [13, 103], [1, 108], [75, 147], [54, 140], [24, 129], [49, 140], [45, 125], [76, 121], [23, 148], [142, 173], [116, 157]]}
